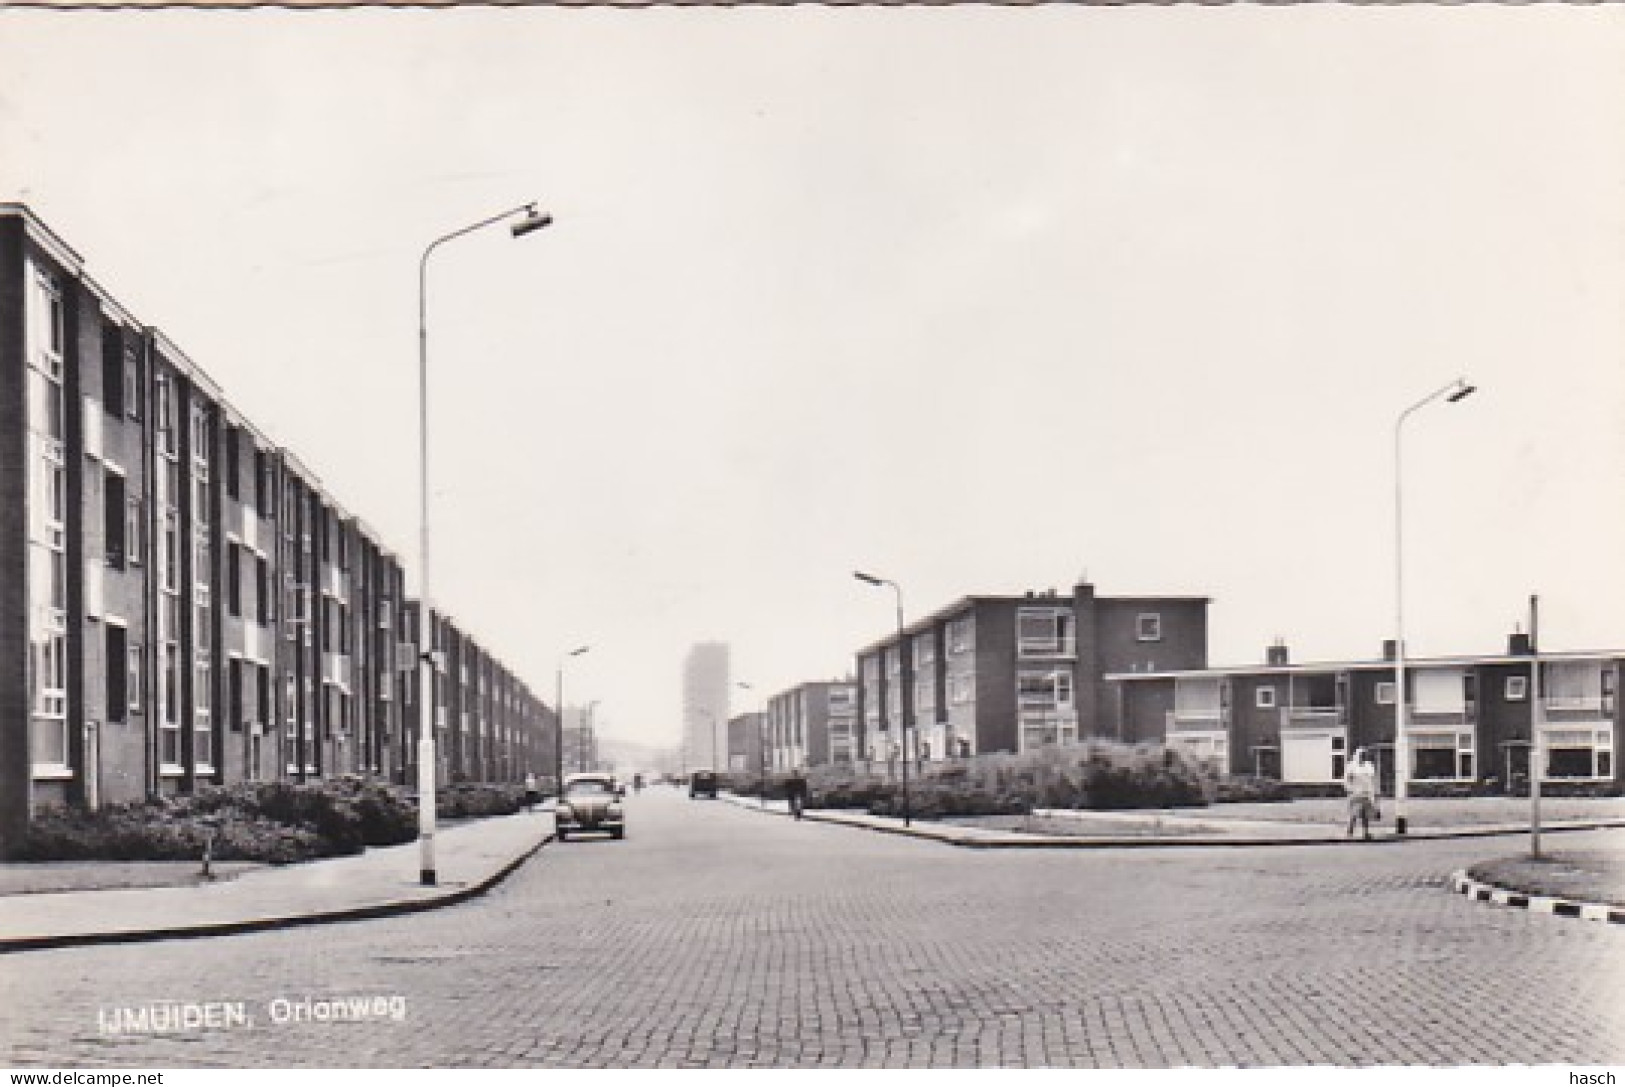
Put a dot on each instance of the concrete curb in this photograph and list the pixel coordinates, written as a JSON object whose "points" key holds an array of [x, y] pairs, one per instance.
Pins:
{"points": [[1461, 883], [393, 908], [944, 836]]}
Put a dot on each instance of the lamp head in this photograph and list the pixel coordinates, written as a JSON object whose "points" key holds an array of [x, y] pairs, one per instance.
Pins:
{"points": [[1462, 392], [533, 221], [869, 578]]}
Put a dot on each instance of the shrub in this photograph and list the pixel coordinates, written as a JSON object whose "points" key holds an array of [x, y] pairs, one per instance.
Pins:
{"points": [[272, 822], [469, 801], [1096, 774]]}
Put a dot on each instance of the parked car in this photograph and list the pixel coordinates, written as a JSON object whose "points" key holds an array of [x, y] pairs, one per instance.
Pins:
{"points": [[702, 783], [591, 804]]}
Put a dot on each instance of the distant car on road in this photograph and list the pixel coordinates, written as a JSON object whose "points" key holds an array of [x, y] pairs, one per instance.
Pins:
{"points": [[591, 803], [702, 783]]}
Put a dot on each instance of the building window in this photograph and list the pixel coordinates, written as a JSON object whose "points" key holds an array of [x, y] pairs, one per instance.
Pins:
{"points": [[134, 683], [1045, 689], [171, 555], [133, 535], [1148, 627], [262, 591], [1264, 698], [1385, 693], [48, 734], [262, 481], [234, 464], [166, 416], [169, 740], [113, 369], [134, 381], [118, 698], [1442, 756], [262, 693], [201, 564], [1517, 688], [200, 443], [114, 505], [234, 579], [234, 695], [1579, 753], [1043, 632]]}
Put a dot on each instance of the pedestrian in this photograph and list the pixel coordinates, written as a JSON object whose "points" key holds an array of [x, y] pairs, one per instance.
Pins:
{"points": [[1360, 780], [531, 795], [795, 789]]}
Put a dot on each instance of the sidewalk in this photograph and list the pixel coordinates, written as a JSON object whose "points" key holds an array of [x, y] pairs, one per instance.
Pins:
{"points": [[471, 858], [1306, 823]]}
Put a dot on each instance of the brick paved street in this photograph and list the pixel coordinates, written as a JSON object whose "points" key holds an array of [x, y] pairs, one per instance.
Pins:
{"points": [[715, 936]]}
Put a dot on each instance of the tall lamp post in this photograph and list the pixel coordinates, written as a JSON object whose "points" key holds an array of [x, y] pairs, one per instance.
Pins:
{"points": [[558, 719], [761, 746], [1455, 392], [427, 777], [902, 683]]}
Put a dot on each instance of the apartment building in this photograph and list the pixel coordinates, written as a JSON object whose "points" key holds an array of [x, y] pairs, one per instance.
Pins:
{"points": [[706, 690], [1471, 720], [746, 737], [813, 724], [1014, 673], [182, 603]]}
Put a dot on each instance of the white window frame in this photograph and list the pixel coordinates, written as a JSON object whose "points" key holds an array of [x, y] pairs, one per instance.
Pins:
{"points": [[1264, 698], [135, 679], [1463, 743], [1052, 644], [48, 709], [1517, 688], [1148, 626], [1384, 692]]}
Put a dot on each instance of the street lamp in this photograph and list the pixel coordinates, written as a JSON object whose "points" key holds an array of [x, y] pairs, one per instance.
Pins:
{"points": [[558, 719], [1455, 392], [902, 682], [761, 745], [427, 776]]}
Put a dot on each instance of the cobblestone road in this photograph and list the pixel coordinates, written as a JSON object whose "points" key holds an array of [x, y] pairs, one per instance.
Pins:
{"points": [[715, 936]]}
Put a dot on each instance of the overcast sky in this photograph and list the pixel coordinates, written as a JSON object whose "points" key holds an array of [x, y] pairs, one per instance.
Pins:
{"points": [[978, 299]]}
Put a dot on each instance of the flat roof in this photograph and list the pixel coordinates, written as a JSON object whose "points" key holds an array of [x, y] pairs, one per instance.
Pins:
{"points": [[1037, 599], [1367, 665]]}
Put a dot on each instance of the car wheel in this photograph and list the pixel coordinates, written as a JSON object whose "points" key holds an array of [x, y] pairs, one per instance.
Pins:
{"points": [[619, 834], [564, 836]]}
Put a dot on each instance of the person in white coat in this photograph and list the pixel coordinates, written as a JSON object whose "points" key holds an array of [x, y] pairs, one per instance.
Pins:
{"points": [[1360, 781]]}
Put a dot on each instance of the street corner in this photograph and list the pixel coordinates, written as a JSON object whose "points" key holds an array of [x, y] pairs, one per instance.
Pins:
{"points": [[1586, 885]]}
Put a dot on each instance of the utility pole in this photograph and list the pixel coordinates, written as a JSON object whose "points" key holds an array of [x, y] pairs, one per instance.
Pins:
{"points": [[1537, 723]]}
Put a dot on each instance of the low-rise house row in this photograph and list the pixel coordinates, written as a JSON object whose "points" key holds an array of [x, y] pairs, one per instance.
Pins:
{"points": [[1471, 721], [181, 602], [1014, 673]]}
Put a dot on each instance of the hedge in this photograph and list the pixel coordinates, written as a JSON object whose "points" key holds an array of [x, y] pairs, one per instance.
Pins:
{"points": [[1096, 774], [271, 822]]}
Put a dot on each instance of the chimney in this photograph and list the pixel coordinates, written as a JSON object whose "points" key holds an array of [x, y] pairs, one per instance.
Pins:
{"points": [[1276, 656], [1518, 645], [1390, 649]]}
